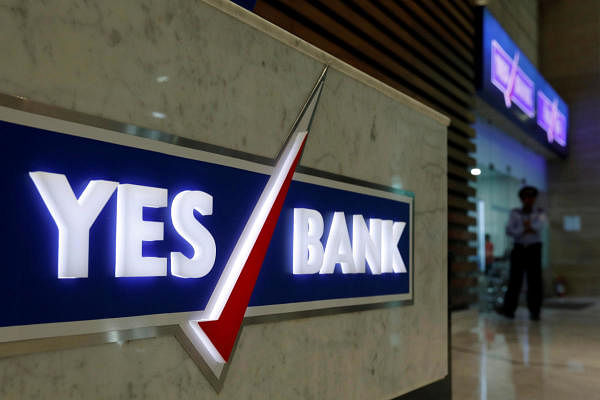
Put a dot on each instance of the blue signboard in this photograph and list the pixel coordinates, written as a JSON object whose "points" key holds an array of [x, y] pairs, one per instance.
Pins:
{"points": [[510, 83], [32, 292], [104, 226]]}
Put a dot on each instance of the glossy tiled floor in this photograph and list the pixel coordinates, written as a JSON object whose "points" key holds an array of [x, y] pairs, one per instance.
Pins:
{"points": [[556, 358]]}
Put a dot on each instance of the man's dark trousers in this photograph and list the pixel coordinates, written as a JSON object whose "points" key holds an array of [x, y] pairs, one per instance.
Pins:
{"points": [[525, 260]]}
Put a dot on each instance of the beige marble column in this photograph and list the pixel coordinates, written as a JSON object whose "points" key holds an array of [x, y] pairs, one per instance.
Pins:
{"points": [[214, 72]]}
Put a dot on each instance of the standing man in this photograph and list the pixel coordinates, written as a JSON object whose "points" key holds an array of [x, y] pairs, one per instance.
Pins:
{"points": [[524, 226]]}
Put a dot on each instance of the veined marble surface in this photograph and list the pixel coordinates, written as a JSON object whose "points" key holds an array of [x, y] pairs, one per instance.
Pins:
{"points": [[218, 74]]}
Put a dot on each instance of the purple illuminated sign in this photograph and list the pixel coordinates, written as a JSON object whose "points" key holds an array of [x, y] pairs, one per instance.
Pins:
{"points": [[551, 120], [510, 79], [510, 83]]}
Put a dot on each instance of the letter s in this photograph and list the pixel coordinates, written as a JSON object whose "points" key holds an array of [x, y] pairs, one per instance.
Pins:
{"points": [[189, 228]]}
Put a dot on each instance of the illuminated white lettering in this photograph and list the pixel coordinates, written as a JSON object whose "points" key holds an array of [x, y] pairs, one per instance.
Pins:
{"points": [[132, 230], [186, 224], [366, 244], [338, 249], [73, 216], [307, 248], [376, 245], [391, 260]]}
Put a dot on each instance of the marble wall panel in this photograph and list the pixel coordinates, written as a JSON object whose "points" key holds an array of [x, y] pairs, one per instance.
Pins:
{"points": [[213, 72]]}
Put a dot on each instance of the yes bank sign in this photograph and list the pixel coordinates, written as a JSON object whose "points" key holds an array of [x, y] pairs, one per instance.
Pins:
{"points": [[510, 83], [107, 231]]}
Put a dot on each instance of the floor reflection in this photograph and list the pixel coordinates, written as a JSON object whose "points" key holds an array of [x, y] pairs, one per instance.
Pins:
{"points": [[556, 358]]}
